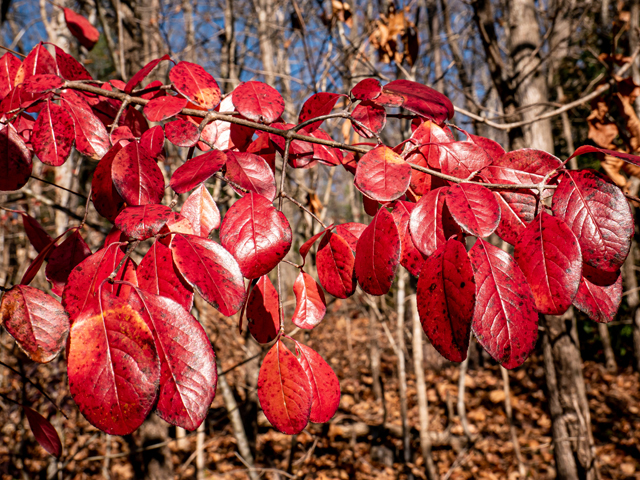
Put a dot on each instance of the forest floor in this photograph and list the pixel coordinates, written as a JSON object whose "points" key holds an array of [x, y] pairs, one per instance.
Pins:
{"points": [[352, 445]]}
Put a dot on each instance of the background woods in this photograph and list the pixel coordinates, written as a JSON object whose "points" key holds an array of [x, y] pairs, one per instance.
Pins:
{"points": [[549, 76]]}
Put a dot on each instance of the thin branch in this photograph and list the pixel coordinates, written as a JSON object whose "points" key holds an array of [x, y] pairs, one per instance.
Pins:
{"points": [[37, 387], [58, 186], [303, 208], [13, 51]]}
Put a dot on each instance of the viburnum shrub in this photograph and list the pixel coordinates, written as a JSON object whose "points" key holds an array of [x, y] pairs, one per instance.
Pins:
{"points": [[132, 343]]}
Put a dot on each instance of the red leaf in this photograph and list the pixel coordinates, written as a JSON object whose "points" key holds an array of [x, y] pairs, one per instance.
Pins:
{"points": [[80, 28], [382, 174], [462, 159], [493, 148], [505, 320], [373, 117], [549, 256], [196, 84], [420, 99], [113, 366], [310, 303], [430, 223], [64, 259], [211, 270], [256, 234], [366, 89], [323, 153], [188, 377], [15, 160], [53, 134], [325, 385], [157, 275], [35, 233], [516, 211], [45, 434], [351, 232], [428, 137], [122, 134], [182, 133], [36, 263], [161, 108], [306, 246], [177, 224], [104, 195], [9, 66], [378, 254], [252, 173], [92, 138], [529, 160], [597, 212], [318, 105], [68, 67], [446, 298], [410, 256], [336, 266], [142, 221], [201, 211], [38, 62], [42, 83], [36, 320], [474, 208], [136, 176], [143, 72], [80, 293], [225, 135], [371, 206], [258, 101], [197, 170], [599, 302], [284, 390], [262, 311], [635, 159], [153, 141]]}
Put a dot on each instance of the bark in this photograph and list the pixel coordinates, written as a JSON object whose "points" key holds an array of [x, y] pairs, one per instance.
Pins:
{"points": [[573, 442], [236, 422], [630, 280], [402, 373], [264, 12], [153, 464], [421, 388], [531, 83], [434, 44], [609, 355]]}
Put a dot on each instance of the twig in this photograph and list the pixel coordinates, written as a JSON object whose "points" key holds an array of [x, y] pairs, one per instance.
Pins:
{"points": [[58, 186], [37, 387], [13, 51], [303, 208]]}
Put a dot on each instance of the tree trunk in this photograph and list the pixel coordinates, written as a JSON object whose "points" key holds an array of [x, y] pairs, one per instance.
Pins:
{"points": [[573, 442]]}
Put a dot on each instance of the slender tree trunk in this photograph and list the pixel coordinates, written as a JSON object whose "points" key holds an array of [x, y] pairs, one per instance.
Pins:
{"points": [[402, 373], [573, 442], [630, 280], [609, 355], [421, 387]]}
